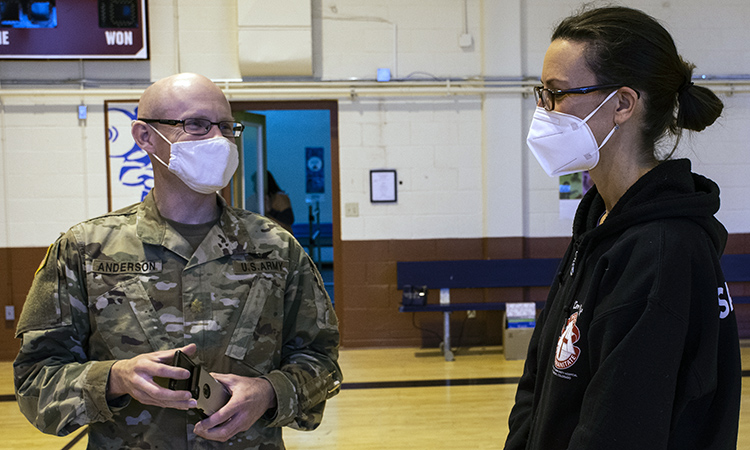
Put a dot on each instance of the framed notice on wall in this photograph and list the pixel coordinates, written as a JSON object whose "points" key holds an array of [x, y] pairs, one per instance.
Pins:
{"points": [[73, 29], [383, 186]]}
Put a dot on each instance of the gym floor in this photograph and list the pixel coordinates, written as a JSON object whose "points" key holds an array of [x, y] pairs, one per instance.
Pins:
{"points": [[402, 398]]}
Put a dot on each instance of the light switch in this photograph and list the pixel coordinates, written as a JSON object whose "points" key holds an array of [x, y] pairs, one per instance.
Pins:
{"points": [[351, 209]]}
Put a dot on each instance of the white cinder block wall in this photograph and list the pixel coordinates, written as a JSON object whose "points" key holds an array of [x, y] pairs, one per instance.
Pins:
{"points": [[462, 163], [53, 168]]}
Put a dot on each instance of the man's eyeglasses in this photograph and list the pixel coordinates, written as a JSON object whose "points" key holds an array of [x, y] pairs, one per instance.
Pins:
{"points": [[201, 127], [547, 96]]}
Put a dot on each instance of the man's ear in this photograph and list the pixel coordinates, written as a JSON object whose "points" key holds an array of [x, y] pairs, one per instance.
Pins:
{"points": [[627, 103], [143, 136]]}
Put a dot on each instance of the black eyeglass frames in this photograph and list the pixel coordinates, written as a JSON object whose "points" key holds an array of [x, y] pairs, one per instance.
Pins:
{"points": [[547, 95], [201, 127]]}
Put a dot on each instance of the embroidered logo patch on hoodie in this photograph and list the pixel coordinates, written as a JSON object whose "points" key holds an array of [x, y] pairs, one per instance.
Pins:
{"points": [[567, 354]]}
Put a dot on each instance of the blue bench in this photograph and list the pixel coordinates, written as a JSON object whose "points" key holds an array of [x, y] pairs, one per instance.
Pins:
{"points": [[736, 267], [737, 270], [462, 274], [505, 273]]}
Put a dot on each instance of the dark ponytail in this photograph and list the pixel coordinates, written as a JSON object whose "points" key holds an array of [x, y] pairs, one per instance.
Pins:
{"points": [[698, 107], [627, 46]]}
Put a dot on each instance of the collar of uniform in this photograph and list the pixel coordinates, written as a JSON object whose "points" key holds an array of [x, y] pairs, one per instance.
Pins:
{"points": [[150, 226], [227, 237], [152, 229]]}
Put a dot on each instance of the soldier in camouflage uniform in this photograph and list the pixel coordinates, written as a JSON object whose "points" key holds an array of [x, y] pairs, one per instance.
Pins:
{"points": [[117, 294]]}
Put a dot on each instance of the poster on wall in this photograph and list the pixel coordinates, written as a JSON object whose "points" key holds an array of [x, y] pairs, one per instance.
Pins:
{"points": [[572, 189], [129, 173], [315, 181], [73, 29]]}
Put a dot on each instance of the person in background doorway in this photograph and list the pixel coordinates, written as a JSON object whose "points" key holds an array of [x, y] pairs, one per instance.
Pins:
{"points": [[278, 206], [637, 346], [118, 294]]}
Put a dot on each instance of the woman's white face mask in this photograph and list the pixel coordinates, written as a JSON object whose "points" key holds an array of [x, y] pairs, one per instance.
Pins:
{"points": [[563, 143], [205, 165]]}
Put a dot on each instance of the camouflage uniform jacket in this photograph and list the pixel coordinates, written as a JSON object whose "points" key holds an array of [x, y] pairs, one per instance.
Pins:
{"points": [[127, 283]]}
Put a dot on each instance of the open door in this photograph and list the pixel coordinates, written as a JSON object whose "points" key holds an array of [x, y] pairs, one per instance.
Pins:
{"points": [[289, 128], [248, 188]]}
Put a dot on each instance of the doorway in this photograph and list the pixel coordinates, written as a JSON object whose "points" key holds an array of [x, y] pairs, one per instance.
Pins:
{"points": [[296, 143]]}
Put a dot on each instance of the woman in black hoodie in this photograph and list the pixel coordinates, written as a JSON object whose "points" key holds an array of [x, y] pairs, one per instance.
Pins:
{"points": [[637, 347]]}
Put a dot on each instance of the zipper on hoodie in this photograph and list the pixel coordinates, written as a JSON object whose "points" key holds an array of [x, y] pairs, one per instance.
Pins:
{"points": [[573, 264], [572, 287]]}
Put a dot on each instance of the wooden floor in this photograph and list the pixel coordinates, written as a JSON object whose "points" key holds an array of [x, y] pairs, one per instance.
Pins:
{"points": [[379, 410]]}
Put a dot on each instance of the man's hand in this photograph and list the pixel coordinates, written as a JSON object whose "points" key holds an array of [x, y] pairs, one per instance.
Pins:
{"points": [[251, 398], [135, 377]]}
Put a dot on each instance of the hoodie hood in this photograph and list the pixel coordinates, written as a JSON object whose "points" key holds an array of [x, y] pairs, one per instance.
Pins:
{"points": [[669, 190]]}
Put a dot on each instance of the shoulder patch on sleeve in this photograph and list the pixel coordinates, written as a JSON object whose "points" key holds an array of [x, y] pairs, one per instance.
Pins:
{"points": [[44, 260], [42, 308]]}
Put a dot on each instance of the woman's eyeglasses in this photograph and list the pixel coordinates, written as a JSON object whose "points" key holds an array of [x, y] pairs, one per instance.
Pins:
{"points": [[547, 96]]}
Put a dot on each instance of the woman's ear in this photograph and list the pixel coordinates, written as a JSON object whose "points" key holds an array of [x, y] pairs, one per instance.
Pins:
{"points": [[627, 103], [143, 136]]}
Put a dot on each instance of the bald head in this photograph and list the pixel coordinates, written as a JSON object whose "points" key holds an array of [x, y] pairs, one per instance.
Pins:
{"points": [[179, 96]]}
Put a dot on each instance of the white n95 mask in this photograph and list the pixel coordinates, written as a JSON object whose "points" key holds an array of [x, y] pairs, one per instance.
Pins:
{"points": [[205, 166], [563, 143]]}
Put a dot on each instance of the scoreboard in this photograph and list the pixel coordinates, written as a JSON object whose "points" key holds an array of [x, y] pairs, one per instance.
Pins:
{"points": [[73, 29]]}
